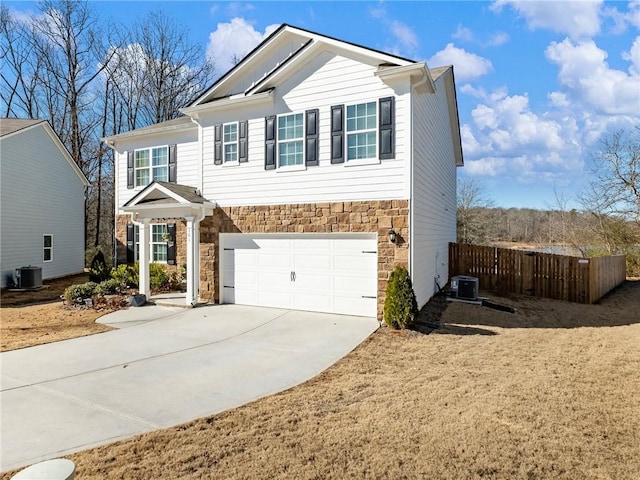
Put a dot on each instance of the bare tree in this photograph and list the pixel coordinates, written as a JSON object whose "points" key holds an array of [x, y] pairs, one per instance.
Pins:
{"points": [[615, 188], [472, 222]]}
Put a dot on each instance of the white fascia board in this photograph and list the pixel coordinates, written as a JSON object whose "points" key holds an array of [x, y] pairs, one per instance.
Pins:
{"points": [[111, 141], [419, 73], [239, 99]]}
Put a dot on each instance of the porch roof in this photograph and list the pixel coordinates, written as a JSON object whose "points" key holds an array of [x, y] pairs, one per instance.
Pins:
{"points": [[168, 200]]}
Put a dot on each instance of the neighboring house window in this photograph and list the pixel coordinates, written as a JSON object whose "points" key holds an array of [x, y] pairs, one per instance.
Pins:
{"points": [[151, 164], [230, 142], [47, 254], [158, 242], [290, 140], [361, 131]]}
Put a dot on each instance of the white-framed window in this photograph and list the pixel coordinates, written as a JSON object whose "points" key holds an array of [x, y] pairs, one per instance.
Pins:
{"points": [[157, 242], [290, 140], [362, 131], [47, 248], [151, 164], [230, 142]]}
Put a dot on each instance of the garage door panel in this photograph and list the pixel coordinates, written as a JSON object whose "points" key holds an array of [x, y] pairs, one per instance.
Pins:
{"points": [[333, 274]]}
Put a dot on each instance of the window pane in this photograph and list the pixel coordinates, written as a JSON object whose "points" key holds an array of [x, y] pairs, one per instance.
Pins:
{"points": [[159, 252], [142, 177], [290, 153], [161, 174], [361, 145], [361, 117], [231, 152], [142, 158], [290, 126], [157, 231], [230, 132], [47, 255], [160, 156], [48, 241]]}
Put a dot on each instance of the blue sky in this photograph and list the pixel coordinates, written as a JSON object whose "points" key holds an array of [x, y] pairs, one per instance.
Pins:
{"points": [[538, 82]]}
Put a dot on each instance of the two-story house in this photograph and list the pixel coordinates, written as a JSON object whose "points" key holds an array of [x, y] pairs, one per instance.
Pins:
{"points": [[299, 179]]}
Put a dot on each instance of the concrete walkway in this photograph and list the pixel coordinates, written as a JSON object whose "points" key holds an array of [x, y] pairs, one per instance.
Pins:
{"points": [[164, 366]]}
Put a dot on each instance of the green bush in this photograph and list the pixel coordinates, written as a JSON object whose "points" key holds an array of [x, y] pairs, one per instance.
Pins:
{"points": [[158, 276], [99, 270], [75, 294], [400, 306], [108, 287], [122, 275]]}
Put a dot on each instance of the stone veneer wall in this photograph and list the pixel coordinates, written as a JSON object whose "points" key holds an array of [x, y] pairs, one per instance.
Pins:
{"points": [[361, 217]]}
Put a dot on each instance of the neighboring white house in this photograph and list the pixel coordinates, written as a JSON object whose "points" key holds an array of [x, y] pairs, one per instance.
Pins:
{"points": [[283, 184], [42, 193]]}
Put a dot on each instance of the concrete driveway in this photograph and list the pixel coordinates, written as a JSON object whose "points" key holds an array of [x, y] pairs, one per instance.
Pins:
{"points": [[164, 366]]}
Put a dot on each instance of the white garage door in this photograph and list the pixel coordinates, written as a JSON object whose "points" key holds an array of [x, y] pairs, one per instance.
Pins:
{"points": [[334, 273]]}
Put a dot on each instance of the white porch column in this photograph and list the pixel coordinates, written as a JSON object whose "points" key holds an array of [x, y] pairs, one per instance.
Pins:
{"points": [[144, 253], [193, 260]]}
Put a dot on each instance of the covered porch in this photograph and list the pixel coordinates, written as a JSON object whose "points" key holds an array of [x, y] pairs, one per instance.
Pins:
{"points": [[162, 200]]}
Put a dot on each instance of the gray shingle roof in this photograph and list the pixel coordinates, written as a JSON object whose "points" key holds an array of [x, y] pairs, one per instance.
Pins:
{"points": [[11, 125]]}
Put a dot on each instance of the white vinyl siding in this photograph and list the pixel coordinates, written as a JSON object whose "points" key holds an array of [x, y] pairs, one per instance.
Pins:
{"points": [[312, 87], [433, 217], [40, 195], [187, 160]]}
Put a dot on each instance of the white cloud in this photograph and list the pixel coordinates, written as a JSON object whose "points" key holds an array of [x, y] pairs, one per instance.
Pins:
{"points": [[467, 65], [633, 56], [497, 39], [507, 138], [463, 33], [578, 19], [589, 82], [633, 15], [406, 38], [233, 40]]}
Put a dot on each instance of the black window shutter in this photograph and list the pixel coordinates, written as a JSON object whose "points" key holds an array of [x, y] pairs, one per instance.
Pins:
{"points": [[217, 144], [130, 170], [387, 128], [131, 243], [172, 163], [243, 141], [270, 142], [337, 134], [171, 244], [311, 137]]}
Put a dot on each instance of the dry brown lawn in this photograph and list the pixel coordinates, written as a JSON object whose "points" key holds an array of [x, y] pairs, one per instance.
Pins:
{"points": [[551, 392], [33, 318]]}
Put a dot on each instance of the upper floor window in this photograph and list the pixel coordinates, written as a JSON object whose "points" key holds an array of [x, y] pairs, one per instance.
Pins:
{"points": [[230, 142], [151, 164], [290, 140], [47, 254], [361, 131]]}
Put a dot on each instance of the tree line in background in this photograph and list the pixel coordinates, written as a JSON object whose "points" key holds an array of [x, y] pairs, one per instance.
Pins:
{"points": [[91, 79], [606, 222]]}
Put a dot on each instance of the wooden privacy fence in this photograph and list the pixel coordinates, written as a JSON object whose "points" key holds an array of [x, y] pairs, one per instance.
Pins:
{"points": [[573, 279]]}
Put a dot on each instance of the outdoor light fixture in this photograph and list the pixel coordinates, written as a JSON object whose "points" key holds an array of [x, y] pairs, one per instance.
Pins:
{"points": [[392, 236]]}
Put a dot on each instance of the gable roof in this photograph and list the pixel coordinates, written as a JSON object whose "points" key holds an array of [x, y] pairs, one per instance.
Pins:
{"points": [[167, 193], [181, 123], [16, 126], [303, 43]]}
